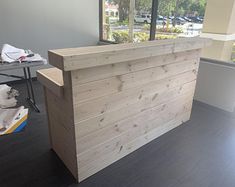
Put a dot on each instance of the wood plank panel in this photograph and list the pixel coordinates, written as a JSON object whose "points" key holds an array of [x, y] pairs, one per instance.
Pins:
{"points": [[62, 109], [123, 82], [117, 98], [87, 126], [80, 58], [121, 127], [126, 149], [52, 78], [106, 104], [101, 72], [62, 139], [133, 124]]}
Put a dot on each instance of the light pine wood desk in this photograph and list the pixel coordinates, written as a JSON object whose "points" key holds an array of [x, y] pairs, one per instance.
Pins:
{"points": [[104, 102]]}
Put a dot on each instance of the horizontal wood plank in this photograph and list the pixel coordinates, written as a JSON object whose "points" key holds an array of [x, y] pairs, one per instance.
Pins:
{"points": [[141, 121], [119, 83], [92, 124], [62, 139], [126, 149], [115, 102], [52, 78], [102, 72], [96, 89], [60, 109], [80, 58]]}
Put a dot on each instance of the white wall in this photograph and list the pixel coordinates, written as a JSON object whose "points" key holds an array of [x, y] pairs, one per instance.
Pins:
{"points": [[216, 85], [41, 25]]}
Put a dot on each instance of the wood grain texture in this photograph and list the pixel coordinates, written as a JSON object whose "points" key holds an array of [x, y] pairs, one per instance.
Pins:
{"points": [[131, 126], [99, 164], [112, 70], [117, 98], [62, 138], [52, 78], [80, 58], [117, 102], [131, 80], [92, 124]]}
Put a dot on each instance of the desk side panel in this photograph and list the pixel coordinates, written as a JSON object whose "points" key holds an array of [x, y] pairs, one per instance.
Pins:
{"points": [[61, 126]]}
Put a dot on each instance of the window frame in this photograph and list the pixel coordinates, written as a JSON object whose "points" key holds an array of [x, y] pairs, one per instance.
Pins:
{"points": [[153, 23]]}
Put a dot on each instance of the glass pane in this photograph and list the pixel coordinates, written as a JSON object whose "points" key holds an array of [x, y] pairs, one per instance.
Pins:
{"points": [[180, 18], [115, 21], [142, 20], [116, 24]]}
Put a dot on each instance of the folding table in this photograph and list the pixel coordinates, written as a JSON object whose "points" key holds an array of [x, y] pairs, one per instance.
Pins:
{"points": [[27, 77]]}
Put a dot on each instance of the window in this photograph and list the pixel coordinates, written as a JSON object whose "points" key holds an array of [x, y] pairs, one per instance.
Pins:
{"points": [[117, 27], [141, 20]]}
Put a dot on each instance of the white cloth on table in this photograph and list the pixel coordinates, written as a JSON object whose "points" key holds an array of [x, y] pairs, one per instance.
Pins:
{"points": [[12, 54]]}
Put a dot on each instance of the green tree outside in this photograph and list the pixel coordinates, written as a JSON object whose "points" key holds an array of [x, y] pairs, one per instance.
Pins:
{"points": [[166, 7]]}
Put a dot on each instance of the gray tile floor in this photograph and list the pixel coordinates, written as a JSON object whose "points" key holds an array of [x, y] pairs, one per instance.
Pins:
{"points": [[199, 153]]}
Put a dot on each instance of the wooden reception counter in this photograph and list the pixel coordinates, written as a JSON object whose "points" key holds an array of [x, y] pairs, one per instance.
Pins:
{"points": [[105, 102]]}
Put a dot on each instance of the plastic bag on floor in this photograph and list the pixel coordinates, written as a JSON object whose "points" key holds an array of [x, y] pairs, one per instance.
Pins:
{"points": [[7, 96]]}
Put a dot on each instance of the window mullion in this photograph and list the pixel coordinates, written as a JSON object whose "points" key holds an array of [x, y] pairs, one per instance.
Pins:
{"points": [[154, 19]]}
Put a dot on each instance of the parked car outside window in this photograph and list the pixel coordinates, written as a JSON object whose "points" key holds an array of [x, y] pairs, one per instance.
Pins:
{"points": [[144, 18]]}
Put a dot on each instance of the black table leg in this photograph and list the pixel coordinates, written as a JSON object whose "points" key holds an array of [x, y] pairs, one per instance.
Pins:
{"points": [[30, 91]]}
